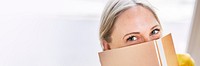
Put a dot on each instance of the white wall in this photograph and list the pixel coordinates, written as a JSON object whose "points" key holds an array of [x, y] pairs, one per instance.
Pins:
{"points": [[48, 41], [194, 43], [49, 32], [65, 32]]}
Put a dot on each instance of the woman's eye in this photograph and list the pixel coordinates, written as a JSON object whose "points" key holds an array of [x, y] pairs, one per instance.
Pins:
{"points": [[155, 31], [132, 38]]}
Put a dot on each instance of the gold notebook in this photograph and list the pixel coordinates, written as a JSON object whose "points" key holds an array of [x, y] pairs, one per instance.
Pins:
{"points": [[159, 52]]}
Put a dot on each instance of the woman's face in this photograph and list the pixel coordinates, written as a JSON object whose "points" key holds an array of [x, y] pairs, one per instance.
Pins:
{"points": [[133, 26]]}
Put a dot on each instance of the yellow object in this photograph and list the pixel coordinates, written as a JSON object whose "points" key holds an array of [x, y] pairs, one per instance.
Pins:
{"points": [[185, 60]]}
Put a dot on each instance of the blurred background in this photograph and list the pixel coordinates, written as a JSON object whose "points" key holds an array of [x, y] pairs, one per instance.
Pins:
{"points": [[65, 32]]}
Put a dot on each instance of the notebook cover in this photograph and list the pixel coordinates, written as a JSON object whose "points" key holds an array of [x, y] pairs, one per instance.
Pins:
{"points": [[144, 54], [169, 50], [136, 55]]}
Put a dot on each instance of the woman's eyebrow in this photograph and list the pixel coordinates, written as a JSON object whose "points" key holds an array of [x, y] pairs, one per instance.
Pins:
{"points": [[154, 27], [131, 33]]}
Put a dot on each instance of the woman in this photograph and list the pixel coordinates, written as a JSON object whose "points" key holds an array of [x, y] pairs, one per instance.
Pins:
{"points": [[130, 22]]}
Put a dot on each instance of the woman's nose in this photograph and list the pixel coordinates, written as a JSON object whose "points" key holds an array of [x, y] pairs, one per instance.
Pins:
{"points": [[147, 38]]}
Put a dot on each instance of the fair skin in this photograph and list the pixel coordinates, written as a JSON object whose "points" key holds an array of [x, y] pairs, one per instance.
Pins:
{"points": [[133, 26]]}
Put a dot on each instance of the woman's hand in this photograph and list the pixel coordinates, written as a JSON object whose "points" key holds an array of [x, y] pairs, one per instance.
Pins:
{"points": [[185, 60]]}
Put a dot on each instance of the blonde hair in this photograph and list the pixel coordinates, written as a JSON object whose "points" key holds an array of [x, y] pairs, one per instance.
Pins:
{"points": [[111, 11]]}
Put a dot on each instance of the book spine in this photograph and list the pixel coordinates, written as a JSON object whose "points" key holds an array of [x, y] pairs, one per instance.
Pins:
{"points": [[157, 53], [161, 53]]}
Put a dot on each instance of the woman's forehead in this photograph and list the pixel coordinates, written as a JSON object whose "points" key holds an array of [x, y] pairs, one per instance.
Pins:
{"points": [[136, 18]]}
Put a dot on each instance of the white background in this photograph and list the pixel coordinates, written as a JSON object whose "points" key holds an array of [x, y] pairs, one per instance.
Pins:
{"points": [[65, 32]]}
